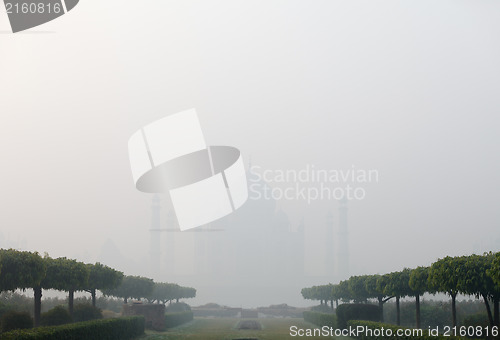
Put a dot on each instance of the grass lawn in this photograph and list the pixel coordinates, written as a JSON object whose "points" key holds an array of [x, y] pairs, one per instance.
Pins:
{"points": [[226, 329]]}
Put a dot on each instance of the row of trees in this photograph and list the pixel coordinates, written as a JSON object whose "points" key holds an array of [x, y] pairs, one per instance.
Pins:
{"points": [[28, 270], [138, 287], [165, 292], [474, 275]]}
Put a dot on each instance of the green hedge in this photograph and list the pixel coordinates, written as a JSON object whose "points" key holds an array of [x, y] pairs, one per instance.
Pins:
{"points": [[15, 320], [58, 315], [475, 320], [109, 329], [320, 319], [86, 312], [378, 326], [356, 311], [176, 319]]}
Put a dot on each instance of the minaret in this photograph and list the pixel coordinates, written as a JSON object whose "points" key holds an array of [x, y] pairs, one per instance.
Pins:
{"points": [[201, 250], [301, 248], [169, 254], [155, 237], [329, 245], [343, 246]]}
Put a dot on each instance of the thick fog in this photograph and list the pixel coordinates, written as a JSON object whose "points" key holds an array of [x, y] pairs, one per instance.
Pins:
{"points": [[407, 90]]}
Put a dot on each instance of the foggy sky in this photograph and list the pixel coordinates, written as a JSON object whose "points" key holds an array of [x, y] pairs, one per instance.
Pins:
{"points": [[407, 88]]}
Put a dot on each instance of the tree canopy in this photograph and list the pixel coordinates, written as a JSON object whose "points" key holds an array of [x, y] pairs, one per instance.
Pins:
{"points": [[65, 275], [164, 292], [136, 287], [102, 277], [20, 269]]}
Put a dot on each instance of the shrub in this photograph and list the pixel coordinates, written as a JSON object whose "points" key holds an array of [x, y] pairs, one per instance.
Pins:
{"points": [[176, 319], [210, 305], [15, 320], [177, 307], [12, 301], [356, 311], [223, 312], [322, 309], [475, 320], [111, 329], [86, 312], [4, 309], [321, 319], [432, 313], [58, 315], [109, 314]]}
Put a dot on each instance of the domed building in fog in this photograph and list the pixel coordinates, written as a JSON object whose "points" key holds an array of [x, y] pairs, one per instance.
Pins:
{"points": [[256, 245]]}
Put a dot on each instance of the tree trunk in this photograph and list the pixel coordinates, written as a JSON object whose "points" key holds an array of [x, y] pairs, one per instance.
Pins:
{"points": [[92, 292], [381, 308], [125, 300], [496, 309], [38, 305], [454, 309], [417, 310], [331, 304], [70, 302], [336, 304], [398, 312], [488, 309]]}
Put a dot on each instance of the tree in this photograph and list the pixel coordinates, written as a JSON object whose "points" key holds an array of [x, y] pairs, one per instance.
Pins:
{"points": [[444, 276], [307, 293], [375, 287], [164, 292], [185, 293], [336, 294], [65, 275], [419, 285], [343, 291], [397, 284], [325, 293], [474, 280], [102, 277], [136, 287], [21, 270], [494, 273], [357, 288], [321, 293]]}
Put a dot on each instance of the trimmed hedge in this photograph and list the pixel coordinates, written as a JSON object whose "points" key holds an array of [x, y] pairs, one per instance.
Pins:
{"points": [[177, 307], [356, 311], [15, 320], [320, 319], [379, 326], [176, 319], [86, 312], [475, 320], [109, 329], [58, 315]]}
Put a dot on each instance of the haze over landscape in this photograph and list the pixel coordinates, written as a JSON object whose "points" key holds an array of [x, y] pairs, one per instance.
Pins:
{"points": [[406, 89]]}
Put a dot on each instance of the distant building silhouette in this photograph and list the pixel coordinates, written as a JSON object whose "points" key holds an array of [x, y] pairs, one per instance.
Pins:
{"points": [[343, 242], [329, 246], [257, 241], [155, 236]]}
